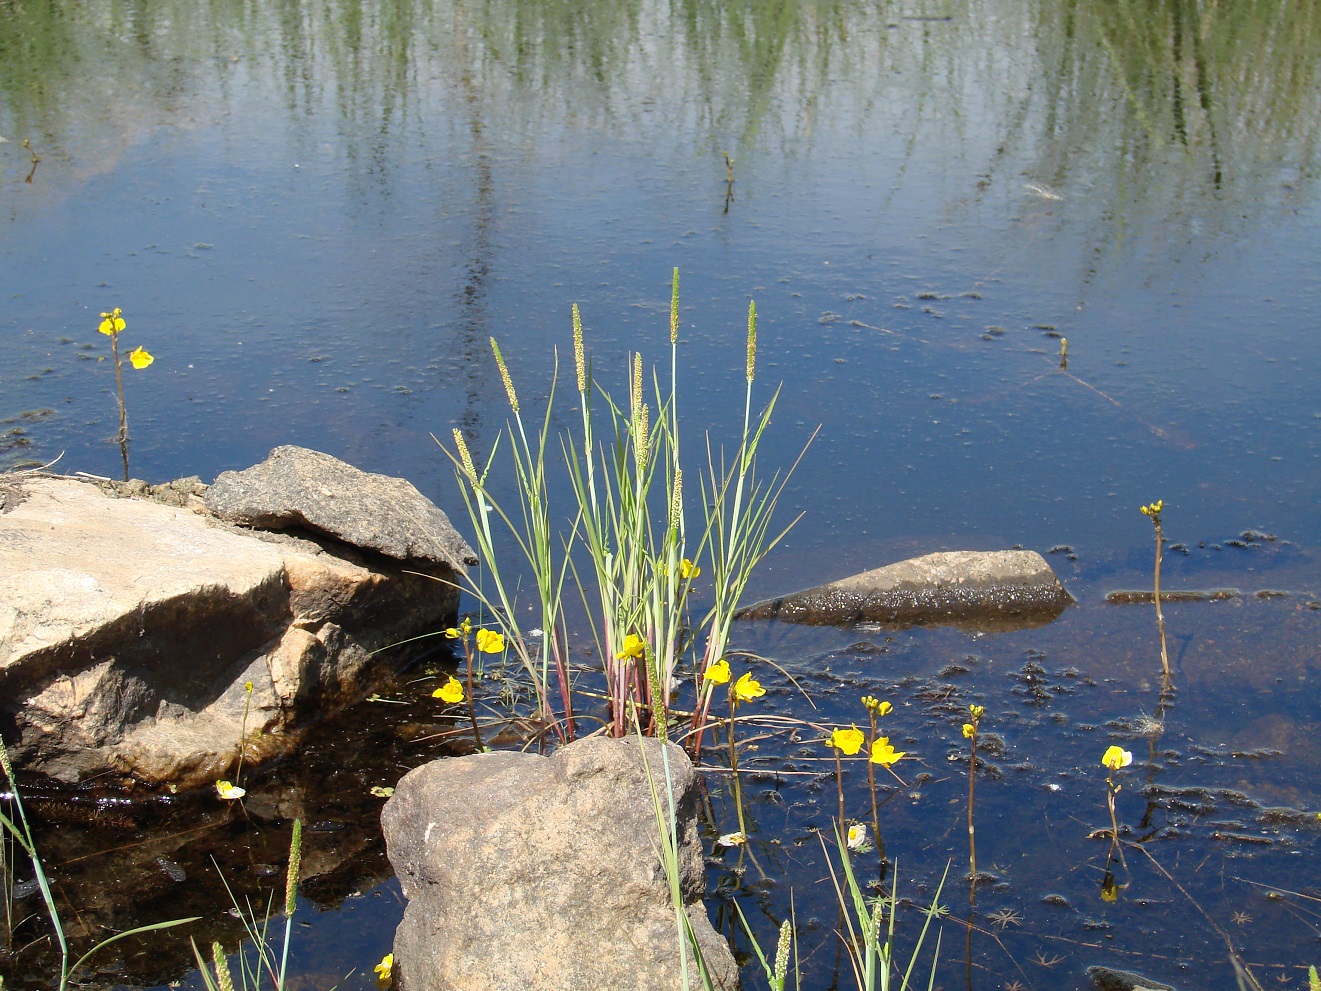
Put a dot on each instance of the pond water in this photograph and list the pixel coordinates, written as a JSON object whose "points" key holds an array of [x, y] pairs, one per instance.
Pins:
{"points": [[315, 215]]}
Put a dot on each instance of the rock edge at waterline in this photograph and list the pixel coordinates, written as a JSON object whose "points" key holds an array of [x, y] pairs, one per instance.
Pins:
{"points": [[130, 629], [985, 589]]}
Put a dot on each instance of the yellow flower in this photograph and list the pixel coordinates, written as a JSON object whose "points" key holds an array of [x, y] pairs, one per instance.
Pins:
{"points": [[462, 630], [849, 741], [634, 646], [968, 730], [140, 357], [1115, 758], [857, 836], [688, 570], [229, 791], [977, 711], [451, 691], [884, 754], [717, 673], [384, 969], [490, 642], [748, 688], [1153, 509], [111, 323], [872, 704]]}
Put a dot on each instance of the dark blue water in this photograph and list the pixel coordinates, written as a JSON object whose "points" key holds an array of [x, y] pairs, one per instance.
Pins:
{"points": [[316, 222]]}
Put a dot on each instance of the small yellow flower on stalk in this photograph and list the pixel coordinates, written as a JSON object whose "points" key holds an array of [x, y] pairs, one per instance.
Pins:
{"points": [[1154, 508], [968, 730], [976, 711], [229, 791], [848, 741], [884, 754], [112, 323], [717, 673], [385, 969], [140, 357], [747, 688], [462, 630], [490, 642], [634, 647], [451, 691], [1116, 757], [873, 705], [688, 570]]}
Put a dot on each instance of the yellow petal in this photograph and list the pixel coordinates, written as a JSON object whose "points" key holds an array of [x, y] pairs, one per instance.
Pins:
{"points": [[849, 741], [490, 642], [229, 791], [717, 673], [748, 688], [634, 646], [140, 357], [451, 691]]}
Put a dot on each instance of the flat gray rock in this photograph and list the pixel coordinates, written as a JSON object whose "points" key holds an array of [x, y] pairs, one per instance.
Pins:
{"points": [[297, 487], [968, 587], [1109, 979]]}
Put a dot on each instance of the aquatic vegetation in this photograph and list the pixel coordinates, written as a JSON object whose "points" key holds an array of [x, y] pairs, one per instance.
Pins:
{"points": [[970, 729], [1113, 760], [20, 830], [264, 964], [1152, 511], [639, 570], [112, 324], [746, 689]]}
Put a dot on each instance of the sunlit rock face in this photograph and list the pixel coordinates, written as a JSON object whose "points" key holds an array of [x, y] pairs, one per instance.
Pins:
{"points": [[523, 871], [131, 630]]}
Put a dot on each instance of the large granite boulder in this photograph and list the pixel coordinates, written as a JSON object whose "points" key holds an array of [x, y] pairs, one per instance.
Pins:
{"points": [[976, 588], [130, 629], [296, 487], [523, 871]]}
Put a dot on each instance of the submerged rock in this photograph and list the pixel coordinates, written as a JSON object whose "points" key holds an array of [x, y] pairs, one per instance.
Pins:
{"points": [[1108, 979], [130, 630], [981, 588], [524, 871]]}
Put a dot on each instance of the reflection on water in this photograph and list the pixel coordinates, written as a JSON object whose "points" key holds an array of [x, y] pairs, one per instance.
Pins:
{"points": [[318, 214]]}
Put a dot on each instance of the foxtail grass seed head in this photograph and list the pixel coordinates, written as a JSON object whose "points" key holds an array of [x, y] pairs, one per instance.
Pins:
{"points": [[4, 762], [579, 353], [782, 954], [224, 979], [676, 504], [465, 456], [295, 863], [641, 442], [674, 309], [504, 376], [752, 339], [635, 387]]}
